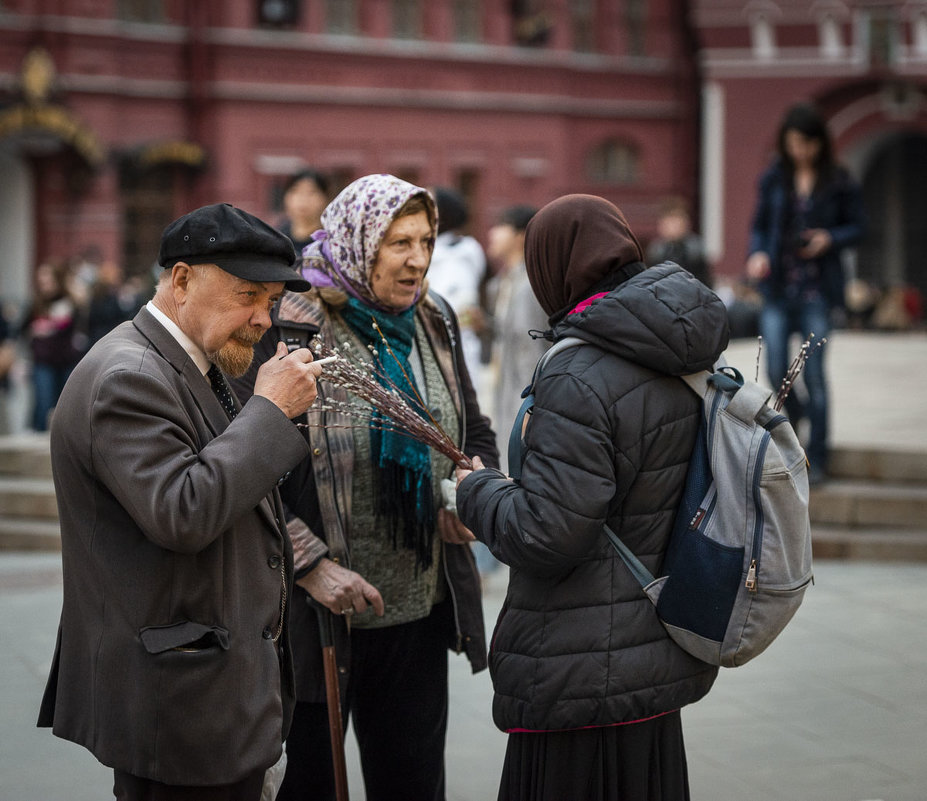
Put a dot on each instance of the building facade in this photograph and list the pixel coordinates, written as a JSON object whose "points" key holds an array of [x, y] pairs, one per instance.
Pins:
{"points": [[864, 63], [118, 115]]}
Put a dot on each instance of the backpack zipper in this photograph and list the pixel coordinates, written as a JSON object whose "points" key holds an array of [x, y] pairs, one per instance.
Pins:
{"points": [[750, 583], [715, 401], [703, 513]]}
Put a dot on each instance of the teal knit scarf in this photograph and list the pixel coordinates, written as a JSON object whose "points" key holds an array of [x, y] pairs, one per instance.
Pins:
{"points": [[403, 497]]}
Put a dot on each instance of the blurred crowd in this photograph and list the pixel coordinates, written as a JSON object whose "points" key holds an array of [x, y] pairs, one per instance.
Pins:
{"points": [[73, 303]]}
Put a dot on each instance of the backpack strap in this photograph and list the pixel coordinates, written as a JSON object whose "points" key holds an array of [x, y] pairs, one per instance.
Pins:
{"points": [[642, 574], [747, 399], [721, 376], [516, 440], [698, 382]]}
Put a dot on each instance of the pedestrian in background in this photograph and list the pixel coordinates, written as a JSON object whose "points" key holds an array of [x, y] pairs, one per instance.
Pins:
{"points": [[513, 351], [515, 312], [55, 337], [677, 242], [305, 195], [9, 357], [458, 265], [808, 212], [171, 664], [374, 547], [587, 682], [113, 300]]}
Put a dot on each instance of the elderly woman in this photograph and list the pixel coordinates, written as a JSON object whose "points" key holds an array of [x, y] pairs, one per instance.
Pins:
{"points": [[372, 541], [587, 682]]}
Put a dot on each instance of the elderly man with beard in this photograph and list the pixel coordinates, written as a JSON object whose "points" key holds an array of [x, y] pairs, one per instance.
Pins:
{"points": [[172, 664]]}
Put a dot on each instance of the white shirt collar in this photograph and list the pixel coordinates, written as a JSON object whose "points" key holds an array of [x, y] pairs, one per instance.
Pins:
{"points": [[192, 349]]}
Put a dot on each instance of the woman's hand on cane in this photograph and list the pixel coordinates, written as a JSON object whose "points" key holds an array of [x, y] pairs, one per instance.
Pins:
{"points": [[342, 591]]}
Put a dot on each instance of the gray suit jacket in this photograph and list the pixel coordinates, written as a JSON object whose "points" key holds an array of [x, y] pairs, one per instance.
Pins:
{"points": [[175, 555]]}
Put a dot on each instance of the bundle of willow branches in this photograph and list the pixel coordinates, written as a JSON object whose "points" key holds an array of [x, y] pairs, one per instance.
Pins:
{"points": [[795, 368], [399, 411]]}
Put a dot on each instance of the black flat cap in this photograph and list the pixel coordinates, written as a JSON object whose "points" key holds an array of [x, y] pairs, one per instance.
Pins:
{"points": [[234, 240]]}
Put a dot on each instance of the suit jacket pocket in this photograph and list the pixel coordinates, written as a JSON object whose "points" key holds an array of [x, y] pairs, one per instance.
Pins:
{"points": [[184, 636]]}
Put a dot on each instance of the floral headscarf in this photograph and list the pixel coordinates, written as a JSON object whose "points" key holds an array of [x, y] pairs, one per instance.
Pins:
{"points": [[354, 224], [342, 255]]}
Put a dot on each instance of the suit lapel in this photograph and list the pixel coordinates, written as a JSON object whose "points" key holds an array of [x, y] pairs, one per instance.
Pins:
{"points": [[180, 360], [209, 406]]}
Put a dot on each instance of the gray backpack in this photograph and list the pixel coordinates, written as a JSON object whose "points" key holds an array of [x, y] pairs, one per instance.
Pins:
{"points": [[739, 558]]}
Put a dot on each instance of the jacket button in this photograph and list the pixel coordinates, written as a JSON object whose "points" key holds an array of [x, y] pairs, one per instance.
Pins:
{"points": [[267, 634], [316, 451], [274, 561]]}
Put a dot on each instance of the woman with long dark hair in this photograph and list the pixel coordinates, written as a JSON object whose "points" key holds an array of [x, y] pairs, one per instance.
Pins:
{"points": [[809, 210]]}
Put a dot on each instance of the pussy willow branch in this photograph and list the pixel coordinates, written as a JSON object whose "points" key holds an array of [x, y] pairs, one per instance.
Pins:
{"points": [[408, 415], [411, 383], [795, 368]]}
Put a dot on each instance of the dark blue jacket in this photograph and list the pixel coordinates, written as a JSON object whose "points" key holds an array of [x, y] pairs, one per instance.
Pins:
{"points": [[836, 205]]}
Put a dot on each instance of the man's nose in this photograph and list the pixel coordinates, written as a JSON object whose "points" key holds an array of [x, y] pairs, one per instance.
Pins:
{"points": [[261, 318]]}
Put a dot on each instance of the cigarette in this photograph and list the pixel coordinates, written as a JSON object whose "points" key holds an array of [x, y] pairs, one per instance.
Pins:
{"points": [[326, 360]]}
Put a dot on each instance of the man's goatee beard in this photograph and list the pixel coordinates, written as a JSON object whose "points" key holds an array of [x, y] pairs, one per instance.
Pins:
{"points": [[234, 358]]}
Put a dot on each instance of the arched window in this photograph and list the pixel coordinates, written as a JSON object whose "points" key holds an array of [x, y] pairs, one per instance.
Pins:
{"points": [[635, 14], [763, 37], [582, 20], [614, 161], [341, 16], [467, 18], [407, 19], [882, 35], [140, 10], [278, 13], [920, 33], [831, 36]]}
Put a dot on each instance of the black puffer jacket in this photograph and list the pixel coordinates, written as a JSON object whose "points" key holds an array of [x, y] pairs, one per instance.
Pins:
{"points": [[577, 643]]}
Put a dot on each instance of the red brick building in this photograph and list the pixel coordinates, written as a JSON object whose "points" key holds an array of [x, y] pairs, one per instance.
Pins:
{"points": [[864, 62], [118, 115]]}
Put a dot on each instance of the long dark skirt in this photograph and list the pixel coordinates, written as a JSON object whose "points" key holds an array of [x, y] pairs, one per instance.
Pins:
{"points": [[636, 762]]}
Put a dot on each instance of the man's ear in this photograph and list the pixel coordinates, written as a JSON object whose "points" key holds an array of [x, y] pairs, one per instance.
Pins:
{"points": [[181, 276]]}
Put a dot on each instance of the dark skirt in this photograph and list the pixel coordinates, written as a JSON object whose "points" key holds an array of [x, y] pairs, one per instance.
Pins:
{"points": [[635, 762]]}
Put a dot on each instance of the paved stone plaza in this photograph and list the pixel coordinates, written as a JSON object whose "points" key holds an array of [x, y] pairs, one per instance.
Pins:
{"points": [[835, 710]]}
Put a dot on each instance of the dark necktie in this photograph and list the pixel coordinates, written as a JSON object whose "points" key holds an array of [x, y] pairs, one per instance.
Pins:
{"points": [[221, 390]]}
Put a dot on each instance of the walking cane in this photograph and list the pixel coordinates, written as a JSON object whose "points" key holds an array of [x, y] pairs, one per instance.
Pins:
{"points": [[333, 699]]}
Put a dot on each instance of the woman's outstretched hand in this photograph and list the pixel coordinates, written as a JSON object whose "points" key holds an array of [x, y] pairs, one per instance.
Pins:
{"points": [[461, 472]]}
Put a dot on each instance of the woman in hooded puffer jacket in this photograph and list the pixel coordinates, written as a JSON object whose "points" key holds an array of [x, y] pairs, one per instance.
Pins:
{"points": [[587, 682]]}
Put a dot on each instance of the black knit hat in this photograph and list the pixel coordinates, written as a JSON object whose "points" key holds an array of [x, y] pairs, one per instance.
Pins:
{"points": [[234, 240]]}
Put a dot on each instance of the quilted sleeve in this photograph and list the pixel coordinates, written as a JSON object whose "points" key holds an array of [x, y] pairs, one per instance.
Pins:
{"points": [[553, 518]]}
